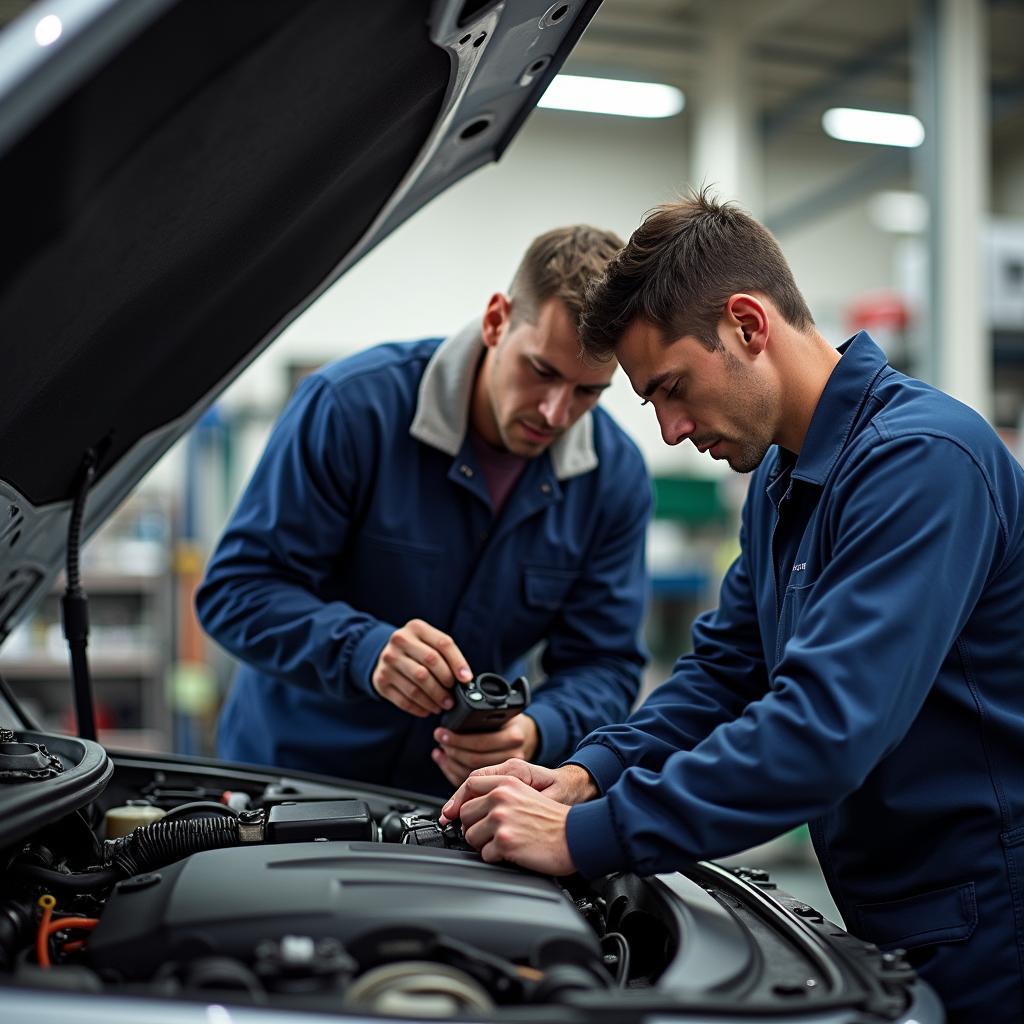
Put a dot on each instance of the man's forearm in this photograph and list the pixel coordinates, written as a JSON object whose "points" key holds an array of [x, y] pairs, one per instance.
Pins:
{"points": [[574, 786]]}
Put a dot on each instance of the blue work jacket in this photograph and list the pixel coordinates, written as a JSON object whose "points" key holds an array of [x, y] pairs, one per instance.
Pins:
{"points": [[864, 672], [367, 510]]}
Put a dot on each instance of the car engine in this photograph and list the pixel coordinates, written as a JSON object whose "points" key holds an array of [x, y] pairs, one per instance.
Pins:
{"points": [[292, 893], [150, 877], [251, 904]]}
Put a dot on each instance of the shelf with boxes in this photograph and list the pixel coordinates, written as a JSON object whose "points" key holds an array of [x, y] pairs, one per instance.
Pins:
{"points": [[125, 575]]}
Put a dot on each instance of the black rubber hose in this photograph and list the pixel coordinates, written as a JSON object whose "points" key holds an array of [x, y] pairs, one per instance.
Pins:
{"points": [[16, 921], [145, 848], [200, 809], [73, 882], [154, 846]]}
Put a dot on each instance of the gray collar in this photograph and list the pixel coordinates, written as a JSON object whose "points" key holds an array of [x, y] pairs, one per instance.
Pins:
{"points": [[442, 408]]}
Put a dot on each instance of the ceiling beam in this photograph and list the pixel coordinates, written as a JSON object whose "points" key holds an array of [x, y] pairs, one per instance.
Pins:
{"points": [[764, 17], [824, 94], [868, 175]]}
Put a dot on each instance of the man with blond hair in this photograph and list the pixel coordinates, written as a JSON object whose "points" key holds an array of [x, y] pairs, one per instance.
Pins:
{"points": [[863, 671], [429, 510]]}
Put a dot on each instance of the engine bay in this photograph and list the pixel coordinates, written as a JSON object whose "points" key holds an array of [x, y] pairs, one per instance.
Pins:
{"points": [[207, 882], [354, 894]]}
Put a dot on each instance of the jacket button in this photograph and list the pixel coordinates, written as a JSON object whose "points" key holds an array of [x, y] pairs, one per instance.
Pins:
{"points": [[545, 488], [466, 471]]}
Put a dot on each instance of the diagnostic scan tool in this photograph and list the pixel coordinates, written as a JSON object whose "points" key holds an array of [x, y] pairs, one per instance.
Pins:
{"points": [[486, 703]]}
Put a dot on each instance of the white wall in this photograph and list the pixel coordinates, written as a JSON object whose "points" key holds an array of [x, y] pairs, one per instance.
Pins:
{"points": [[438, 270]]}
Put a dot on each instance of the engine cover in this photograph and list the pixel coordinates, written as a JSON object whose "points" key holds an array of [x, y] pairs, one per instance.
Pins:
{"points": [[225, 902]]}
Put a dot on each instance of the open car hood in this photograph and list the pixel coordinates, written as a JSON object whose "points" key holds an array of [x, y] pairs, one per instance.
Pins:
{"points": [[184, 178]]}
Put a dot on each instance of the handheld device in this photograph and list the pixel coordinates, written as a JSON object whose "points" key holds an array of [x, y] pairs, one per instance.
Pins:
{"points": [[486, 703]]}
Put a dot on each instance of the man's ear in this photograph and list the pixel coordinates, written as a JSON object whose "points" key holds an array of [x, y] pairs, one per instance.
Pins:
{"points": [[747, 316], [496, 319]]}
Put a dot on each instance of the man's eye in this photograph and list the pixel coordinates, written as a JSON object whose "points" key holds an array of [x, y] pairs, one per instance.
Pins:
{"points": [[541, 372]]}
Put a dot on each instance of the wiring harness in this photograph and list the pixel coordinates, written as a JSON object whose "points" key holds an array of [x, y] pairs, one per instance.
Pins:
{"points": [[148, 847], [153, 846]]}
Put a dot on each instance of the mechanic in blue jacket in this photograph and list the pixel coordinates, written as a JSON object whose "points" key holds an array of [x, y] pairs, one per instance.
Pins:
{"points": [[425, 511], [864, 670]]}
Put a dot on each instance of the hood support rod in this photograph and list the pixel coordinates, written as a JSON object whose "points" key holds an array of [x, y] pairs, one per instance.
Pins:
{"points": [[75, 606]]}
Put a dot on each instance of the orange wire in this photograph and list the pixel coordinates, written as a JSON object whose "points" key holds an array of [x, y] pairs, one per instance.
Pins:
{"points": [[70, 947], [60, 923], [48, 926], [47, 902]]}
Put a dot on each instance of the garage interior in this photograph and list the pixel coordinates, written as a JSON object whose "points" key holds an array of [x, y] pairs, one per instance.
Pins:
{"points": [[923, 245]]}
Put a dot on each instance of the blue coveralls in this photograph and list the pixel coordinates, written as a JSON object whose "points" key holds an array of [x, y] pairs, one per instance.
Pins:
{"points": [[351, 526], [863, 672]]}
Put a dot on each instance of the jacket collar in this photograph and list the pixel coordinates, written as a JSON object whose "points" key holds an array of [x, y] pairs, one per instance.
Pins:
{"points": [[845, 391], [442, 407]]}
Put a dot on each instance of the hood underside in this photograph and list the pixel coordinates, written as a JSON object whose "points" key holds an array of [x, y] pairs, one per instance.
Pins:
{"points": [[185, 178]]}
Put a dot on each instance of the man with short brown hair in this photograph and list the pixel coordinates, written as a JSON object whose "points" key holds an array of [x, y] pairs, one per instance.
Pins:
{"points": [[429, 510], [863, 669]]}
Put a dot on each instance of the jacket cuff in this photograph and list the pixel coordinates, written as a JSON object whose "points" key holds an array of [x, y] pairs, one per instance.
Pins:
{"points": [[601, 762], [365, 656], [554, 736], [594, 844]]}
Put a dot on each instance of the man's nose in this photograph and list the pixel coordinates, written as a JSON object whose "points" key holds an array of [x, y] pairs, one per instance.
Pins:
{"points": [[556, 405], [675, 428]]}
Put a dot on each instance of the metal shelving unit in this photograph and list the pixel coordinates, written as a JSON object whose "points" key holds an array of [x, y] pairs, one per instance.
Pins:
{"points": [[125, 572]]}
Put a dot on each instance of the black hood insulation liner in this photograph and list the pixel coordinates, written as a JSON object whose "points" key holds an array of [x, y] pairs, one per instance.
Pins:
{"points": [[146, 219]]}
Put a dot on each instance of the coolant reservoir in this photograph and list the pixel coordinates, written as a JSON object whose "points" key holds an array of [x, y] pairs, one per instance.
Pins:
{"points": [[119, 821]]}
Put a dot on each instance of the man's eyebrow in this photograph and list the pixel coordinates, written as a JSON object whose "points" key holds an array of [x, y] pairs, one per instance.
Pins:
{"points": [[653, 384], [544, 365]]}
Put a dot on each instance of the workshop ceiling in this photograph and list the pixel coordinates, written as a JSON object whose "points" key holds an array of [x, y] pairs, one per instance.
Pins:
{"points": [[806, 55]]}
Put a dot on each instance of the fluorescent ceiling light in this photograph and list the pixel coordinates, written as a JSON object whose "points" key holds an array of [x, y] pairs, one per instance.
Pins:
{"points": [[48, 30], [875, 126], [612, 96]]}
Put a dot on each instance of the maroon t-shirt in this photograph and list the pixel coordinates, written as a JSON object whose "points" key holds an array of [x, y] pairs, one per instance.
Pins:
{"points": [[501, 469]]}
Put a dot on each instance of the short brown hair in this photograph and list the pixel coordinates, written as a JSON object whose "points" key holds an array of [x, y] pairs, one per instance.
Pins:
{"points": [[559, 265], [679, 268]]}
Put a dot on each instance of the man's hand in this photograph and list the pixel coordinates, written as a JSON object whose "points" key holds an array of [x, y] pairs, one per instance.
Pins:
{"points": [[460, 753], [570, 784], [417, 668], [505, 819]]}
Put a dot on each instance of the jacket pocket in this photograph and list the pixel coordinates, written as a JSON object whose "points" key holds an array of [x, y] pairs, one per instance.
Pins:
{"points": [[942, 915], [547, 588]]}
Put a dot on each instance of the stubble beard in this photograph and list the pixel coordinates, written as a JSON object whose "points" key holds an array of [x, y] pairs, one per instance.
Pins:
{"points": [[756, 407], [751, 454]]}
